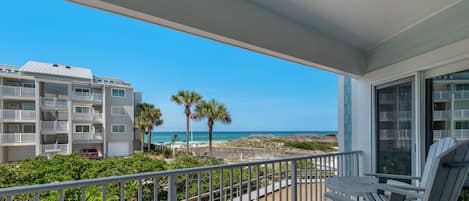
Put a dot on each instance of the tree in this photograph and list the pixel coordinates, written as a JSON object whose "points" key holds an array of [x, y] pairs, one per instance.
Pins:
{"points": [[188, 99], [141, 123], [212, 111], [148, 117]]}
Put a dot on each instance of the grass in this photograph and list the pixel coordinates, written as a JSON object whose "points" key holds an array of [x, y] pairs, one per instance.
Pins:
{"points": [[321, 146]]}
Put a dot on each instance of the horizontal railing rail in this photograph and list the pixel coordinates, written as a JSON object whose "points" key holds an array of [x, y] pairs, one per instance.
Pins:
{"points": [[54, 126], [91, 116], [54, 103], [86, 137], [94, 97], [54, 148], [295, 177], [17, 115]]}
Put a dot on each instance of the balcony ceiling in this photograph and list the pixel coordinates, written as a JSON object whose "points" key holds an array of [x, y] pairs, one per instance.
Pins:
{"points": [[350, 37]]}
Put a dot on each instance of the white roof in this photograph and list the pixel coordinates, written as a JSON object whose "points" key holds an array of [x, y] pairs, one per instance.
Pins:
{"points": [[57, 69]]}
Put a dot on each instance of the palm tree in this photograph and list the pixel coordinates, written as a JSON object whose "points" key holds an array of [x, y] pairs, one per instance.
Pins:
{"points": [[212, 111], [188, 99], [148, 117], [141, 125]]}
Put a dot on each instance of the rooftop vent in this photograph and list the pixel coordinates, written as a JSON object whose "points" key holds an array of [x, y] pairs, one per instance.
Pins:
{"points": [[68, 67], [55, 65]]}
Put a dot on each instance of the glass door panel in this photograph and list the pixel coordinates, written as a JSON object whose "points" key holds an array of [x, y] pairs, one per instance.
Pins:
{"points": [[394, 125]]}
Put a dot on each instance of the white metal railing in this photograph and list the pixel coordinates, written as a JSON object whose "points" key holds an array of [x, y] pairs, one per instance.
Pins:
{"points": [[386, 116], [440, 114], [301, 178], [17, 115], [461, 114], [93, 97], [54, 149], [12, 91], [91, 117], [17, 138], [461, 134], [461, 94], [87, 137], [438, 134], [439, 96], [54, 103], [387, 98], [54, 126]]}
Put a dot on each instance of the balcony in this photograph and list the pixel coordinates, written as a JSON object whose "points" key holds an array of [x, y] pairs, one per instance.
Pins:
{"points": [[461, 114], [87, 137], [461, 95], [88, 97], [438, 134], [88, 117], [296, 178], [441, 96], [52, 149], [461, 134], [17, 115], [53, 103], [14, 139], [17, 92], [386, 116], [53, 127], [440, 115]]}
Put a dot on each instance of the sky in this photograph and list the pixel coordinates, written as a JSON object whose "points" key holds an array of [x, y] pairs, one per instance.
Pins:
{"points": [[261, 92]]}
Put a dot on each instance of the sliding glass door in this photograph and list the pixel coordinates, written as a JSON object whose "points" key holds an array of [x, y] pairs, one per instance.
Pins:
{"points": [[394, 126]]}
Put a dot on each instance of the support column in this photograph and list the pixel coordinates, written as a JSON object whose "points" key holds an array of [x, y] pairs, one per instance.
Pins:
{"points": [[69, 112], [104, 105], [38, 116]]}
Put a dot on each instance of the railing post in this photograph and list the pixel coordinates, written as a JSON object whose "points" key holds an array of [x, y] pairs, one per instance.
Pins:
{"points": [[172, 188], [293, 180]]}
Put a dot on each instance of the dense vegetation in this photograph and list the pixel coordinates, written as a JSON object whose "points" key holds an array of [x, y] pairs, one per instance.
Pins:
{"points": [[321, 146]]}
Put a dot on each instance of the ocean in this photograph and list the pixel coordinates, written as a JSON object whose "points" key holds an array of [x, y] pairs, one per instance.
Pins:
{"points": [[202, 136]]}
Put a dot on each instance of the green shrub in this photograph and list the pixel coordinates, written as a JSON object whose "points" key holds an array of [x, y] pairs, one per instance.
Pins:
{"points": [[320, 146]]}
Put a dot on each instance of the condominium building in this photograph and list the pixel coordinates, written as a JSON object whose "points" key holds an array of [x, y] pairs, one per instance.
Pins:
{"points": [[48, 109]]}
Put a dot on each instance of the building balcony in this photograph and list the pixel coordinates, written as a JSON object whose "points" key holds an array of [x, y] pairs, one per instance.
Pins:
{"points": [[295, 178], [438, 134], [17, 115], [52, 127], [461, 114], [386, 116], [441, 115], [12, 92], [53, 103], [88, 97], [96, 137], [52, 149], [441, 96], [461, 95], [15, 139], [88, 117], [461, 134]]}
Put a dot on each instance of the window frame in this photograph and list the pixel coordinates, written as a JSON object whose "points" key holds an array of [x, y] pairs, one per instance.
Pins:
{"points": [[82, 88], [81, 106], [123, 132], [24, 125], [118, 92], [118, 114], [82, 132]]}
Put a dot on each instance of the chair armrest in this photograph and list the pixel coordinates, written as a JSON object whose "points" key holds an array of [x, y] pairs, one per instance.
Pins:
{"points": [[393, 176], [410, 194]]}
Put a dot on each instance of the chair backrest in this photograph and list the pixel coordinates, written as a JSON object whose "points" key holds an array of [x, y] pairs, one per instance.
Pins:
{"points": [[435, 150], [448, 174]]}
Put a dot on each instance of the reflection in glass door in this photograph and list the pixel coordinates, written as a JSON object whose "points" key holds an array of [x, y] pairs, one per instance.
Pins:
{"points": [[394, 122]]}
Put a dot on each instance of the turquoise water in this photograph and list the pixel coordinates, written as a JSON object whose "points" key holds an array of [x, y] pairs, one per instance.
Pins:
{"points": [[202, 137]]}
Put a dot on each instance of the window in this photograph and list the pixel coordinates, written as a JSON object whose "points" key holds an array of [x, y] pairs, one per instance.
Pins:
{"points": [[29, 128], [118, 128], [28, 85], [118, 110], [118, 92], [81, 91], [28, 106], [83, 110], [82, 128]]}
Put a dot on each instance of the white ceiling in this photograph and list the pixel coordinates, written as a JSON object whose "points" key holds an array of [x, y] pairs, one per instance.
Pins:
{"points": [[351, 21]]}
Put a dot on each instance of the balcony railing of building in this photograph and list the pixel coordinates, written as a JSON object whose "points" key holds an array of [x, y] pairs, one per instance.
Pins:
{"points": [[88, 117], [17, 138], [54, 149], [54, 103], [461, 95], [439, 96], [461, 114], [12, 91], [87, 137], [54, 126], [297, 178], [440, 114], [438, 134], [461, 134], [92, 97], [17, 115]]}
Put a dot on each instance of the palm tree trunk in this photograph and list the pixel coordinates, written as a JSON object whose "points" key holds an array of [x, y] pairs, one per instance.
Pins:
{"points": [[210, 130], [187, 133], [149, 140], [142, 137]]}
